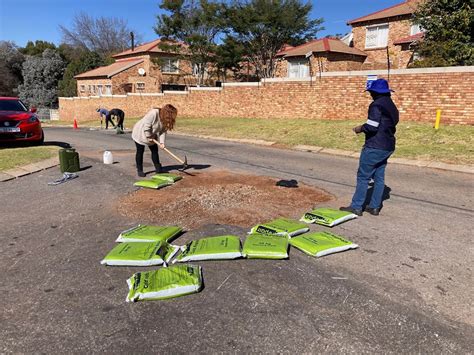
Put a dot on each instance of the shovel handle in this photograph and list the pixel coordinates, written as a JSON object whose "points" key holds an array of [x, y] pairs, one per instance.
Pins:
{"points": [[169, 152]]}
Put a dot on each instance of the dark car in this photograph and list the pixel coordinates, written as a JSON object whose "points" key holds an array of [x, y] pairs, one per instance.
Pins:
{"points": [[17, 123]]}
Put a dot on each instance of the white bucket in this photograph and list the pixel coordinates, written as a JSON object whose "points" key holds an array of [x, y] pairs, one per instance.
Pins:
{"points": [[108, 157]]}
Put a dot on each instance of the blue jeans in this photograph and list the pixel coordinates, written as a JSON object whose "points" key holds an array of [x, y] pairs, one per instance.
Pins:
{"points": [[372, 164]]}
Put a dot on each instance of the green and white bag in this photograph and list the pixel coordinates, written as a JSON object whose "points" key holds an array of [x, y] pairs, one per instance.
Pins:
{"points": [[260, 246], [213, 248], [280, 226], [145, 233], [327, 216], [167, 177], [173, 281], [321, 243], [153, 183], [140, 254]]}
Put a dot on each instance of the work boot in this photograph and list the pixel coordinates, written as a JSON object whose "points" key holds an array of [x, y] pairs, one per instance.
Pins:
{"points": [[141, 173], [356, 211], [372, 211]]}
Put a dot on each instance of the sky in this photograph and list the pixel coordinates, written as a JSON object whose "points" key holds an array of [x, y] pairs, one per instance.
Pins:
{"points": [[29, 20]]}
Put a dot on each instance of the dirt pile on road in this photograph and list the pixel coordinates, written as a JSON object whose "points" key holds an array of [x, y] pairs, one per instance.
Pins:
{"points": [[219, 197]]}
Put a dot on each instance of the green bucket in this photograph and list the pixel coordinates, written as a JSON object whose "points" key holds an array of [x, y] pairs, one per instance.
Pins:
{"points": [[69, 160]]}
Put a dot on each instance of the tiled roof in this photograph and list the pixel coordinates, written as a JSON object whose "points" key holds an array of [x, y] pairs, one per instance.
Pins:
{"points": [[407, 7], [410, 39], [320, 46], [110, 70], [148, 47]]}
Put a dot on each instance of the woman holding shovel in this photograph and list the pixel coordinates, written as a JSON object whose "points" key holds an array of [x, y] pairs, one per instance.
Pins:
{"points": [[153, 126]]}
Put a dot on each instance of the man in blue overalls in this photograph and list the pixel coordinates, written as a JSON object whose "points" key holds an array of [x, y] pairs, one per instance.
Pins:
{"points": [[379, 144]]}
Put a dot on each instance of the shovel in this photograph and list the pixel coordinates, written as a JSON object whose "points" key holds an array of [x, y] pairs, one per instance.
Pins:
{"points": [[185, 162]]}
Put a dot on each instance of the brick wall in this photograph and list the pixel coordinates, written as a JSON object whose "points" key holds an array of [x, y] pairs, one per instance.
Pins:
{"points": [[336, 95]]}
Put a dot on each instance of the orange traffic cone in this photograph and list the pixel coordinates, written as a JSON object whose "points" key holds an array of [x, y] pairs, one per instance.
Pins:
{"points": [[75, 124]]}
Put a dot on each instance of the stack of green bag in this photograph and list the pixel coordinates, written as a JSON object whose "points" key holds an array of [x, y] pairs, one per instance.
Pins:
{"points": [[327, 216], [146, 233], [213, 248], [140, 254], [321, 243], [280, 226], [158, 181], [261, 246], [174, 281]]}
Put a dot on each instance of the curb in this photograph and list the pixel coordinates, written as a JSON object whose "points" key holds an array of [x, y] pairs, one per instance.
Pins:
{"points": [[28, 169]]}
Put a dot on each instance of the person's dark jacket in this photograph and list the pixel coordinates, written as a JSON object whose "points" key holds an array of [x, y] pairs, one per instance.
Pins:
{"points": [[380, 126], [116, 112]]}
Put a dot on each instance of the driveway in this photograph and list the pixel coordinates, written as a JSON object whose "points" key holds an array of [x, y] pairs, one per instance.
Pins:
{"points": [[408, 288]]}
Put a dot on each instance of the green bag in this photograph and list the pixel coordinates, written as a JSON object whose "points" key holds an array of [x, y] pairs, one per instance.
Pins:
{"points": [[145, 233], [280, 226], [140, 254], [213, 248], [327, 216], [260, 246], [173, 281], [167, 177], [153, 183], [321, 243]]}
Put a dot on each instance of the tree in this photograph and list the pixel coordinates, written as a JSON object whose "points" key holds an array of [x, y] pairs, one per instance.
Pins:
{"points": [[197, 24], [448, 27], [37, 48], [264, 26], [229, 56], [104, 35], [11, 61], [41, 76], [85, 61]]}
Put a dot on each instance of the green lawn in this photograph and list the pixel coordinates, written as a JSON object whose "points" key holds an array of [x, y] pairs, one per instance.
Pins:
{"points": [[452, 144], [16, 157]]}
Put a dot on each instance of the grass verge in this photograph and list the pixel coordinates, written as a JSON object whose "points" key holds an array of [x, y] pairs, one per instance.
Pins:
{"points": [[16, 157], [450, 144]]}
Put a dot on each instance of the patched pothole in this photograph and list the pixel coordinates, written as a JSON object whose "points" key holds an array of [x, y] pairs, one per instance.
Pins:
{"points": [[220, 197]]}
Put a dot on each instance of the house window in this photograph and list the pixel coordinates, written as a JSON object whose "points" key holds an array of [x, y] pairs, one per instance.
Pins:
{"points": [[170, 65], [99, 90], [82, 88], [376, 36], [140, 86], [298, 69], [415, 29], [108, 89]]}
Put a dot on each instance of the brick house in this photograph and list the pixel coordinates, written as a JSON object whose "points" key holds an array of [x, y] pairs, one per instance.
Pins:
{"points": [[387, 32], [320, 55], [143, 69]]}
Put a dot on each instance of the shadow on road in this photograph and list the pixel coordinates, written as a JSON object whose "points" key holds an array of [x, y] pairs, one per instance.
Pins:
{"points": [[385, 196], [58, 144]]}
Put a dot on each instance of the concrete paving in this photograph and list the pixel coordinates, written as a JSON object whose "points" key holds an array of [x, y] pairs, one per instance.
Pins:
{"points": [[407, 289]]}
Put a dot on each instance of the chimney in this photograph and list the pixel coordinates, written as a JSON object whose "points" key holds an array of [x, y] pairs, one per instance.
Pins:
{"points": [[132, 37]]}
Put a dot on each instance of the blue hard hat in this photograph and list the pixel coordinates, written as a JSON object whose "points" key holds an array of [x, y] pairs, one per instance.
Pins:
{"points": [[379, 86]]}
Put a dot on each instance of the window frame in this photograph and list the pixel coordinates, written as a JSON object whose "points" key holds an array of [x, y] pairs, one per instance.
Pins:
{"points": [[301, 63], [82, 88], [377, 40], [164, 65]]}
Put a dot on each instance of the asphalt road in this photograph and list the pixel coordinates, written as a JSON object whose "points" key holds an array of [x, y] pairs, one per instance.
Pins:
{"points": [[407, 289]]}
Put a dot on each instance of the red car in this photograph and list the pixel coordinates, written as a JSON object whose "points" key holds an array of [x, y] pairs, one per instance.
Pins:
{"points": [[17, 123]]}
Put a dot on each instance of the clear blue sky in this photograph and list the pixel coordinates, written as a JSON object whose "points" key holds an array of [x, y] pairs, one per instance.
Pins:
{"points": [[23, 20]]}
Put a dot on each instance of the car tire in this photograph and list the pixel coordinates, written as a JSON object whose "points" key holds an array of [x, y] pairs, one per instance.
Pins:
{"points": [[41, 140]]}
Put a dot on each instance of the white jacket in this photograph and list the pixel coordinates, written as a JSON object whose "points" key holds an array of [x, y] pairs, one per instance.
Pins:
{"points": [[148, 126]]}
